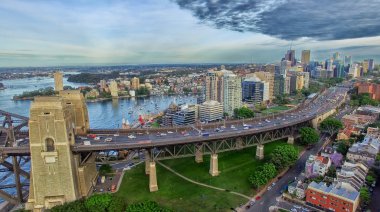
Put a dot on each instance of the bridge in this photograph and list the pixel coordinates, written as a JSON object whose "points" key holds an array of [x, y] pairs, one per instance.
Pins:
{"points": [[59, 157]]}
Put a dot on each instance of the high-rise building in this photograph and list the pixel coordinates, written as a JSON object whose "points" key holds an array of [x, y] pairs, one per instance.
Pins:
{"points": [[287, 85], [270, 68], [210, 111], [279, 85], [285, 66], [135, 83], [305, 57], [58, 81], [231, 92], [365, 66], [266, 77], [293, 84], [339, 70], [336, 56], [354, 71], [371, 65], [347, 60], [291, 56], [114, 89], [214, 86], [253, 90]]}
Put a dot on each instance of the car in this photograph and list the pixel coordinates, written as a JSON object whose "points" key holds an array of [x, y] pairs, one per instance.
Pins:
{"points": [[139, 133], [186, 134], [269, 188], [293, 210], [101, 190], [170, 132], [297, 206], [222, 127], [158, 135], [116, 135], [97, 138], [246, 128], [233, 127], [108, 139], [258, 198], [274, 183], [252, 202], [163, 134]]}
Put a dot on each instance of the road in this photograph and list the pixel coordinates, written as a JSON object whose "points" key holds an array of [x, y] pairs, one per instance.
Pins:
{"points": [[269, 197]]}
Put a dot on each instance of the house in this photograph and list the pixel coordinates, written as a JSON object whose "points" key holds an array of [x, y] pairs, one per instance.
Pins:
{"points": [[317, 166], [341, 197], [365, 151], [298, 188], [353, 174]]}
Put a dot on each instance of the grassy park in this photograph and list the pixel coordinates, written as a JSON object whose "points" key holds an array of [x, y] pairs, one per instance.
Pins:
{"points": [[180, 195], [276, 109]]}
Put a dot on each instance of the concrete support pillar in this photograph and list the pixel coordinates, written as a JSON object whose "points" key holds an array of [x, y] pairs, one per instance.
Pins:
{"points": [[214, 165], [239, 143], [198, 154], [260, 152], [290, 140], [152, 177], [147, 161], [314, 123]]}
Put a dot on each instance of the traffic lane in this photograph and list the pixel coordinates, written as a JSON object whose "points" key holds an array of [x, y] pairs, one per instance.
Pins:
{"points": [[269, 197]]}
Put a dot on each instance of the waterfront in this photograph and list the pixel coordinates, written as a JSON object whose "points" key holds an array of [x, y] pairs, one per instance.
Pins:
{"points": [[103, 114]]}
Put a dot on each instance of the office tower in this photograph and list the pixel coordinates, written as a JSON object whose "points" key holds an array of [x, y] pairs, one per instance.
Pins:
{"points": [[253, 90], [135, 83], [266, 77], [279, 85], [270, 68], [231, 92], [287, 85], [114, 89], [336, 56], [371, 65], [354, 71], [58, 81], [305, 57], [347, 60], [284, 67], [339, 70], [214, 86], [329, 64], [210, 111], [291, 56], [365, 66], [293, 84], [185, 116]]}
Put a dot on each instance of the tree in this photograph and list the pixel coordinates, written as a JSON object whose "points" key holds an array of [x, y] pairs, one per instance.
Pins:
{"points": [[369, 179], [262, 175], [146, 206], [284, 156], [365, 197], [244, 112], [281, 100], [331, 126], [98, 202], [308, 135], [105, 169], [343, 147], [116, 205], [75, 206], [331, 172]]}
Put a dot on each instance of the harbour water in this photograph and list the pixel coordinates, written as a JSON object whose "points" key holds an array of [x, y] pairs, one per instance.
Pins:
{"points": [[102, 114]]}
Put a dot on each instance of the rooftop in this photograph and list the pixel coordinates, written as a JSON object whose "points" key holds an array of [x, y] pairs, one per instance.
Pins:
{"points": [[338, 190]]}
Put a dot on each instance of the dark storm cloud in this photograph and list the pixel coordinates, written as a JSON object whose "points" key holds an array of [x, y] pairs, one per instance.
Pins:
{"points": [[291, 19]]}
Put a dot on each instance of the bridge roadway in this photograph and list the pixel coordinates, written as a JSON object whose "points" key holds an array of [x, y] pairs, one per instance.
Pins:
{"points": [[324, 103]]}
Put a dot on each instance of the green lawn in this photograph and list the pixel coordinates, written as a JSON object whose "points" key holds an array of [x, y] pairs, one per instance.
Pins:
{"points": [[275, 109], [180, 195]]}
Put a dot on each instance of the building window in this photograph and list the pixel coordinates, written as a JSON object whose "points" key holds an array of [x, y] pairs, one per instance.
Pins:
{"points": [[49, 142]]}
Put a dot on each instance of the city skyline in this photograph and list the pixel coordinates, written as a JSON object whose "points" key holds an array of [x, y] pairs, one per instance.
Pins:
{"points": [[156, 32]]}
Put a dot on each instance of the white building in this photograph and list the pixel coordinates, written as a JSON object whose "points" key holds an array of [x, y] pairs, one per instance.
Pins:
{"points": [[210, 111], [232, 92], [317, 166]]}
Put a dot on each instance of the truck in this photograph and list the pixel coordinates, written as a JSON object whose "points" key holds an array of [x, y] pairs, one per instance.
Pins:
{"points": [[103, 179]]}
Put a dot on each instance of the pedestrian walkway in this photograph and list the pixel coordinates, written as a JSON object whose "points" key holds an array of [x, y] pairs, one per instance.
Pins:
{"points": [[201, 184]]}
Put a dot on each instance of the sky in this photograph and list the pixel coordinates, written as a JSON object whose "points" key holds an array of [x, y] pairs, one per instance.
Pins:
{"points": [[79, 32]]}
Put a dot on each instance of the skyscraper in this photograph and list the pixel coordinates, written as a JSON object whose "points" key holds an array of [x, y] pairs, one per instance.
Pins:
{"points": [[58, 81], [114, 89], [232, 93], [371, 65], [279, 83], [291, 56], [305, 57], [365, 66], [336, 56], [253, 90], [214, 86], [266, 77], [347, 60]]}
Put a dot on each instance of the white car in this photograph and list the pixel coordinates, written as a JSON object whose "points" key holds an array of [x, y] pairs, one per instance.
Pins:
{"points": [[233, 127], [163, 134], [246, 128], [269, 188], [108, 139], [97, 138], [170, 132], [116, 135], [131, 136]]}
